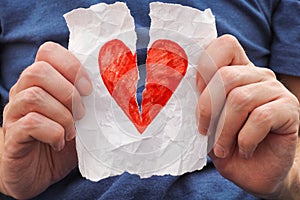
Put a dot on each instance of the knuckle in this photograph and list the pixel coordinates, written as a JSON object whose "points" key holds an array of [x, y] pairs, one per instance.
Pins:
{"points": [[30, 120], [229, 41], [268, 73], [34, 120], [5, 111], [39, 68], [45, 49], [294, 114], [37, 71], [225, 73], [12, 91], [48, 45], [229, 75], [239, 98], [7, 121], [6, 125], [262, 115], [31, 98]]}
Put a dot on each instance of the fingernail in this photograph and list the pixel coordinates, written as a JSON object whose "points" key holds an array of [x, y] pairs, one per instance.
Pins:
{"points": [[79, 110], [219, 151], [84, 86], [60, 146], [202, 131], [71, 134]]}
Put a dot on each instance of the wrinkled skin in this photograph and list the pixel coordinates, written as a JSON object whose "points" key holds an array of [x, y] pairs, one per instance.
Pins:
{"points": [[258, 125], [38, 146]]}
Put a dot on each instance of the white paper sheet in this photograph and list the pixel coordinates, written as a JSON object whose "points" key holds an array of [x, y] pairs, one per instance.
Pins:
{"points": [[107, 142]]}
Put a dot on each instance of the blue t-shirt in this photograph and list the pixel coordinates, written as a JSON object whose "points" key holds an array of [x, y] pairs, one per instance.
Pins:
{"points": [[268, 30]]}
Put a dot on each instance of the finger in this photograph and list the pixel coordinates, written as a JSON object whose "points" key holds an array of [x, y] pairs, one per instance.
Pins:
{"points": [[32, 127], [212, 99], [66, 64], [239, 104], [35, 99], [272, 117], [42, 75], [223, 51]]}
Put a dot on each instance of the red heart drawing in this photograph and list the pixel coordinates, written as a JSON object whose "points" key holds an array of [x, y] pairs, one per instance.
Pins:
{"points": [[166, 65]]}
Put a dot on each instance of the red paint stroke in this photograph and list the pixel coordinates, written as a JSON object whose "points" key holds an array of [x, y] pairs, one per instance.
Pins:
{"points": [[166, 65]]}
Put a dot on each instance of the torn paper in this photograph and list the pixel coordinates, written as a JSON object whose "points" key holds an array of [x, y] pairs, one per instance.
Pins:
{"points": [[115, 136]]}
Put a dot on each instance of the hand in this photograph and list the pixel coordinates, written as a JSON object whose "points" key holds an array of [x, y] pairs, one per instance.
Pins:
{"points": [[38, 145], [257, 120]]}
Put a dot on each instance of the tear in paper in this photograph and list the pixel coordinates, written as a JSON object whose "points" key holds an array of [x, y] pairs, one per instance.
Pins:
{"points": [[107, 141]]}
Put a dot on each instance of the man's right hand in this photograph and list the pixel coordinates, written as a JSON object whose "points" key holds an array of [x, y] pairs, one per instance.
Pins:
{"points": [[37, 141]]}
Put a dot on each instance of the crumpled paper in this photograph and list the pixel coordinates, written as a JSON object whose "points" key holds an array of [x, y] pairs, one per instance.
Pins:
{"points": [[107, 142]]}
